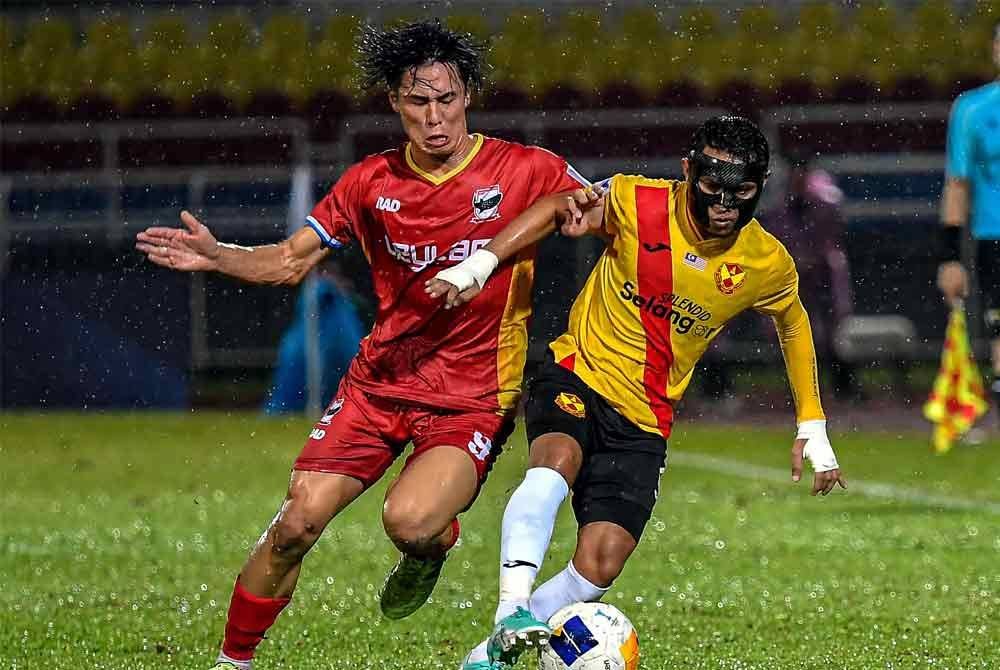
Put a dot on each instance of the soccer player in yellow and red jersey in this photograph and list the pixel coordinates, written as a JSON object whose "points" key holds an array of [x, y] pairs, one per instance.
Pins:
{"points": [[683, 258], [447, 381]]}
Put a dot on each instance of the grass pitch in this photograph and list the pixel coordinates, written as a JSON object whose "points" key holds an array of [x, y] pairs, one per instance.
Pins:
{"points": [[121, 534]]}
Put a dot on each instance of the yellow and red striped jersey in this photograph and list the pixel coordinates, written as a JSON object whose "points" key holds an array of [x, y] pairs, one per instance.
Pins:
{"points": [[661, 293]]}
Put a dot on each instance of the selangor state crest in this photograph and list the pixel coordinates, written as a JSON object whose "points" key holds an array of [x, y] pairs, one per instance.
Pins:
{"points": [[729, 277], [486, 203], [571, 404]]}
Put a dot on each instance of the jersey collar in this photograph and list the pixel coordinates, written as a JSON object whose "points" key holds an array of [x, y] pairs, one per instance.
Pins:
{"points": [[437, 180]]}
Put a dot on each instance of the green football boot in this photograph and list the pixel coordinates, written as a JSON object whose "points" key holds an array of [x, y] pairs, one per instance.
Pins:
{"points": [[514, 635], [409, 585], [225, 665], [411, 582]]}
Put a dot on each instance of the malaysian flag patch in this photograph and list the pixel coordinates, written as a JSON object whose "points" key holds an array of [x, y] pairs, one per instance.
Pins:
{"points": [[695, 261]]}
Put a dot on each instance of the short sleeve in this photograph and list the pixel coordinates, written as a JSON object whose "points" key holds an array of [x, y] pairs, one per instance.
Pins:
{"points": [[781, 290], [336, 217], [552, 174], [616, 208], [959, 144]]}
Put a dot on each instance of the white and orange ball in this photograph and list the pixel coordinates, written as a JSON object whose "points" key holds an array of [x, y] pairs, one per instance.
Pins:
{"points": [[590, 636]]}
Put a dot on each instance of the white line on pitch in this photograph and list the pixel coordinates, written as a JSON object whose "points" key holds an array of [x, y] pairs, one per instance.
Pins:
{"points": [[728, 466]]}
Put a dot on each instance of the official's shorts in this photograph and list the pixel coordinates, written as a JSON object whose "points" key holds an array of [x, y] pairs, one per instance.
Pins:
{"points": [[360, 435], [622, 464], [988, 264]]}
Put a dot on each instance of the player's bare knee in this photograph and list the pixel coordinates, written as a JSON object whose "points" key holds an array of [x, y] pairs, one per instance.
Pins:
{"points": [[558, 452], [408, 525], [292, 535]]}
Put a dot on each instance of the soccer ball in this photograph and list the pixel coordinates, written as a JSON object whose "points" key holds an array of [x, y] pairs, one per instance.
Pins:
{"points": [[590, 636]]}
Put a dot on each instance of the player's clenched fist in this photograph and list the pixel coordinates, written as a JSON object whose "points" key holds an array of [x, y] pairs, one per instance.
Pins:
{"points": [[189, 249], [574, 215], [953, 281]]}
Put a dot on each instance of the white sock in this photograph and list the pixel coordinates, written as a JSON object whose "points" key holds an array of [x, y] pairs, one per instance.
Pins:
{"points": [[569, 586], [527, 530], [242, 665], [478, 654]]}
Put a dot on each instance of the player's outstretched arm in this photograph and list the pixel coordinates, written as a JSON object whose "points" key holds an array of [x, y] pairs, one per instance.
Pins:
{"points": [[194, 248], [576, 213], [812, 441]]}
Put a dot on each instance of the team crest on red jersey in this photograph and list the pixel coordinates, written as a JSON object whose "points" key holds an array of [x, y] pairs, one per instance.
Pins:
{"points": [[332, 411], [729, 277], [486, 203]]}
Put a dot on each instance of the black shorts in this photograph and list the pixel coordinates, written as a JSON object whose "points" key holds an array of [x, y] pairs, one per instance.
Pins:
{"points": [[622, 464], [988, 265]]}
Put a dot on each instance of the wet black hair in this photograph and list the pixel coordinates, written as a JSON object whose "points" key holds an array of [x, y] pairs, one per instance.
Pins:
{"points": [[735, 135], [385, 55]]}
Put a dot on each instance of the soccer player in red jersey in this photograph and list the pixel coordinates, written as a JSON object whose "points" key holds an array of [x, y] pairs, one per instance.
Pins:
{"points": [[447, 380]]}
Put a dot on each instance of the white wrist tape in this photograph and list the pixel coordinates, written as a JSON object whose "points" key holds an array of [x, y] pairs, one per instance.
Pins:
{"points": [[475, 269], [818, 449]]}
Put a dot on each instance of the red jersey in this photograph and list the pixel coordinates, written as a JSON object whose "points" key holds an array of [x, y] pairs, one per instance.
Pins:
{"points": [[411, 224]]}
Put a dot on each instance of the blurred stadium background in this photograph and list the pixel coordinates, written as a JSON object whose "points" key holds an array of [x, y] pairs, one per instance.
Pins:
{"points": [[116, 115], [122, 531]]}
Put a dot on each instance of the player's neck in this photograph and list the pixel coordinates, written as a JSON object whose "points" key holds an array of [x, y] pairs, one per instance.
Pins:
{"points": [[441, 165]]}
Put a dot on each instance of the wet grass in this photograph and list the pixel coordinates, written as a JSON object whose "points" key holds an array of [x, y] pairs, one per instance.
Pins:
{"points": [[120, 536]]}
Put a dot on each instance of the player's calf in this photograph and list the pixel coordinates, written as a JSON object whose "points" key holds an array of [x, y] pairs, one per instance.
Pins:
{"points": [[601, 552]]}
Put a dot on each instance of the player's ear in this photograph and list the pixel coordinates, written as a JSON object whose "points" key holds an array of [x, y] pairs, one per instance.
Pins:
{"points": [[394, 100]]}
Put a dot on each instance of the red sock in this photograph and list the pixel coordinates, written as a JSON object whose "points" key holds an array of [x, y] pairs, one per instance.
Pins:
{"points": [[249, 618], [456, 530]]}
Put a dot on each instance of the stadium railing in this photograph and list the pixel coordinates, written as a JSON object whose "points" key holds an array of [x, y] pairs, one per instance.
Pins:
{"points": [[236, 173]]}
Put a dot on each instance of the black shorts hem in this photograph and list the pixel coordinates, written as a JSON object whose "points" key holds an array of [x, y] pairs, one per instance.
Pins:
{"points": [[630, 516]]}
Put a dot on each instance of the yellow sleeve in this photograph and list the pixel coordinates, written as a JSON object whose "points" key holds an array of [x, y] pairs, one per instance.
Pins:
{"points": [[782, 288], [795, 335], [796, 340], [615, 207]]}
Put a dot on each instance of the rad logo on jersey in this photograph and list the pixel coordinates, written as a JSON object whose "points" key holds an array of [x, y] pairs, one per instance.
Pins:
{"points": [[571, 404], [729, 277], [387, 204], [486, 203]]}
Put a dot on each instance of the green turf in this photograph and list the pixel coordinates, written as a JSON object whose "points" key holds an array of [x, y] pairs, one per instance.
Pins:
{"points": [[121, 536]]}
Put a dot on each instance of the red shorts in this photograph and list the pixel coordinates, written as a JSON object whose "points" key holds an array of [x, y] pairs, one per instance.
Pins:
{"points": [[360, 435]]}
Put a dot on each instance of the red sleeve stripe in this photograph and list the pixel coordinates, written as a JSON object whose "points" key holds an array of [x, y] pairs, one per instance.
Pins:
{"points": [[655, 283]]}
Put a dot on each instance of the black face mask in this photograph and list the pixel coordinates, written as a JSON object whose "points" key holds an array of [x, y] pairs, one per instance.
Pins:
{"points": [[730, 176]]}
